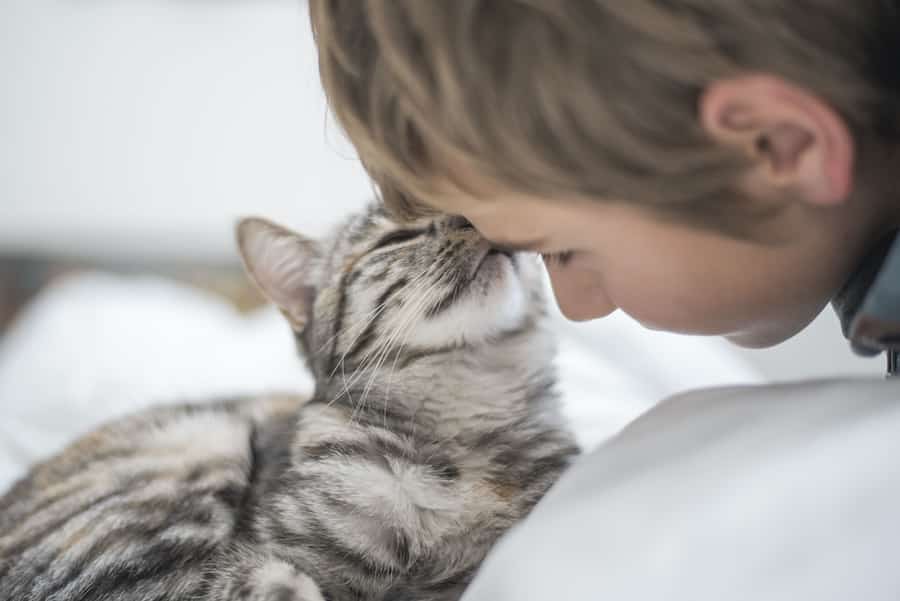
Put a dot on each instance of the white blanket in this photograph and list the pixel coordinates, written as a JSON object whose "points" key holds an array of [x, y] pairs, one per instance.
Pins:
{"points": [[97, 346]]}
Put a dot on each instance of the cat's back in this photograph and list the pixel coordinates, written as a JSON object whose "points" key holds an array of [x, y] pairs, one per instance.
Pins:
{"points": [[133, 510]]}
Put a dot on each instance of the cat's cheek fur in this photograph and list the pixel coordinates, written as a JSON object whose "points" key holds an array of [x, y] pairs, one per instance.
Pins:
{"points": [[495, 302]]}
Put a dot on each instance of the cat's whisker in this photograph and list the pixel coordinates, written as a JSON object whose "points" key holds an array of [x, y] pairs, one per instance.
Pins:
{"points": [[420, 277], [372, 354], [342, 331], [340, 362], [425, 299], [405, 319], [364, 362], [361, 323], [405, 328], [410, 316], [390, 380], [363, 366], [346, 387], [410, 285]]}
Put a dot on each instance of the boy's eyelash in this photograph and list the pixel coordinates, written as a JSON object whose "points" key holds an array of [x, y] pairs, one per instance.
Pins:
{"points": [[558, 258]]}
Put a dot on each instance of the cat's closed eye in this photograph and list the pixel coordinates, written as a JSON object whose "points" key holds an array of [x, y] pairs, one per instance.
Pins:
{"points": [[397, 237]]}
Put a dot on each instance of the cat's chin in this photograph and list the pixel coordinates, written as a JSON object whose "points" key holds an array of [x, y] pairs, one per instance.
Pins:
{"points": [[497, 300]]}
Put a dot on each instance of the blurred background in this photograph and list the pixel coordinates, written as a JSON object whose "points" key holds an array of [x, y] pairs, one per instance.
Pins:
{"points": [[132, 134]]}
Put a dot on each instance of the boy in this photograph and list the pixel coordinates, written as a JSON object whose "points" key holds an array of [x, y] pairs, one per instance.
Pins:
{"points": [[707, 166]]}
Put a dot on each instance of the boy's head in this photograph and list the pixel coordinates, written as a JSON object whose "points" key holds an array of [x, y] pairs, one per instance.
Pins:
{"points": [[707, 165]]}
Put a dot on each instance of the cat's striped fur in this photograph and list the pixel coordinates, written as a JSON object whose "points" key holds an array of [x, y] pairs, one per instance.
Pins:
{"points": [[433, 429]]}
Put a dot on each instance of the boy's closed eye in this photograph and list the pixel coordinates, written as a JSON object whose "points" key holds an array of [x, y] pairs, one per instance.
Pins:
{"points": [[557, 258], [513, 246]]}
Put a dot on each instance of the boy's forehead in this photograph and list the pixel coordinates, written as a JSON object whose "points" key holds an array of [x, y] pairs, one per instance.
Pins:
{"points": [[508, 218], [479, 196]]}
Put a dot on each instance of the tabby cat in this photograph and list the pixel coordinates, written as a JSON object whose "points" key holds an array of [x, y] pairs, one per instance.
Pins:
{"points": [[434, 428]]}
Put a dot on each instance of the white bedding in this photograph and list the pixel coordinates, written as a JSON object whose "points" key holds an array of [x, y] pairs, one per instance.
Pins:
{"points": [[99, 346], [776, 493]]}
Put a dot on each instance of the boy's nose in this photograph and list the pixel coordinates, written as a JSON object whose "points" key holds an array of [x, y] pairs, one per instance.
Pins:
{"points": [[578, 299]]}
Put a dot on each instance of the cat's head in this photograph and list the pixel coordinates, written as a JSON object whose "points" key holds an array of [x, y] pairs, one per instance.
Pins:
{"points": [[376, 289]]}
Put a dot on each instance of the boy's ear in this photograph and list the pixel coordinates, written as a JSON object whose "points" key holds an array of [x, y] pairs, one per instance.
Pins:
{"points": [[798, 141], [279, 263]]}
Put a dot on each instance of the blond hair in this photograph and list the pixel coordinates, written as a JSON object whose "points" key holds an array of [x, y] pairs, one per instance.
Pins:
{"points": [[587, 98]]}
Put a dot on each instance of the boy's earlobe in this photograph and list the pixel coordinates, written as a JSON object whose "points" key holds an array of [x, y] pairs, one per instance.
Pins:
{"points": [[797, 141]]}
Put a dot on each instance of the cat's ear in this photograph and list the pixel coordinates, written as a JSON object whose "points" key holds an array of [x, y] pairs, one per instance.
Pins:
{"points": [[279, 262]]}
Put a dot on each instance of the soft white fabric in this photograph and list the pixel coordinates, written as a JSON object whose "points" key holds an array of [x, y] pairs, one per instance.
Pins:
{"points": [[773, 493], [98, 346]]}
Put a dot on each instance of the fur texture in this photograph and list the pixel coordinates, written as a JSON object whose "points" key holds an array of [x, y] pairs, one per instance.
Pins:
{"points": [[433, 429]]}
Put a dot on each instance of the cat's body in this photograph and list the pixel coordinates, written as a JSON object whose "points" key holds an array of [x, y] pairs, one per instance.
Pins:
{"points": [[138, 508], [433, 429]]}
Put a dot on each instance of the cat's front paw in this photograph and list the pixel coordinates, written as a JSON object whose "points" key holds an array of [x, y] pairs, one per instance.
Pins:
{"points": [[275, 581], [279, 593]]}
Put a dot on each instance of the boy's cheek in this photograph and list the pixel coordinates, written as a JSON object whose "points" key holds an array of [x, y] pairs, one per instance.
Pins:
{"points": [[766, 333], [765, 337], [719, 300]]}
